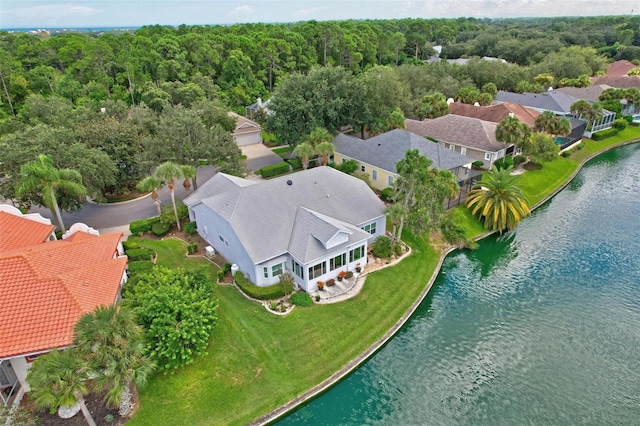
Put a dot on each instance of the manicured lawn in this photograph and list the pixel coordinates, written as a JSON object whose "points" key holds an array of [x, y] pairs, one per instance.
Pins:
{"points": [[591, 146], [171, 253], [283, 152], [257, 361], [537, 184]]}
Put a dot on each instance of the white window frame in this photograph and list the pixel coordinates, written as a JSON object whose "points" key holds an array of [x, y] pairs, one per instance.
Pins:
{"points": [[487, 156], [374, 174]]}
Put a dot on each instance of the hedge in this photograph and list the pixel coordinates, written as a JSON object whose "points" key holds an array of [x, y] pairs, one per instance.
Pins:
{"points": [[139, 227], [296, 163], [135, 254], [261, 293], [140, 267], [160, 228], [274, 170], [598, 136]]}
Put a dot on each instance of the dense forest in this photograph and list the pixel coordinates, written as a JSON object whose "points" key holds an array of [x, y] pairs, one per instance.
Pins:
{"points": [[166, 90]]}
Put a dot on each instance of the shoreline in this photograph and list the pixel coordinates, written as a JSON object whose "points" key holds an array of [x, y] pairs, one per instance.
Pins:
{"points": [[360, 359]]}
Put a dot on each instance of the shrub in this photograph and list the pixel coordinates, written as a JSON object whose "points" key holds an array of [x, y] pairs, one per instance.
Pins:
{"points": [[598, 136], [183, 211], [452, 231], [301, 299], [349, 274], [331, 282], [128, 245], [580, 146], [620, 124], [477, 164], [503, 163], [160, 228], [295, 163], [192, 248], [226, 268], [139, 227], [628, 118], [519, 159], [262, 293], [382, 247], [274, 170], [135, 254], [387, 194], [139, 267], [348, 166], [273, 306], [397, 249], [190, 228], [317, 297]]}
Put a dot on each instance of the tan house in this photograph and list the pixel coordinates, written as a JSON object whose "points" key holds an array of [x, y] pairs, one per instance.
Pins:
{"points": [[468, 136], [379, 155], [46, 286], [496, 113], [247, 132]]}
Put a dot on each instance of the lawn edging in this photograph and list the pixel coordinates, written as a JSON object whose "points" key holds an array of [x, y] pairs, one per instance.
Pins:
{"points": [[360, 359]]}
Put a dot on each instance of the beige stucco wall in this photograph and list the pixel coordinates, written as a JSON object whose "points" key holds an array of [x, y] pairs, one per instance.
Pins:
{"points": [[382, 179]]}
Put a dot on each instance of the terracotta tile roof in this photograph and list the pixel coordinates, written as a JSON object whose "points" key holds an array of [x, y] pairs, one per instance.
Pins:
{"points": [[620, 68], [17, 232], [495, 113], [47, 287]]}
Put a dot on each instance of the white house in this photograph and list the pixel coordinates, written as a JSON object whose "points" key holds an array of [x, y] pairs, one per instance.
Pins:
{"points": [[312, 224], [46, 286]]}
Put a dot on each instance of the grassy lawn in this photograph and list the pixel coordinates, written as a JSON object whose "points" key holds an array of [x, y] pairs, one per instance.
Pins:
{"points": [[171, 253], [283, 152], [257, 361]]}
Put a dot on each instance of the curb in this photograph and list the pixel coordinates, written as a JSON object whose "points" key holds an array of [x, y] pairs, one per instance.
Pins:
{"points": [[90, 201], [356, 362]]}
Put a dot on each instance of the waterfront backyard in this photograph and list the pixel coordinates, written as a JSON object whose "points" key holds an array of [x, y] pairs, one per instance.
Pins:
{"points": [[258, 361]]}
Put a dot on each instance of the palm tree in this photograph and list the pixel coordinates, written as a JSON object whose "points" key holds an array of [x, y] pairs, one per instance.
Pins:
{"points": [[188, 172], [325, 150], [168, 172], [591, 112], [43, 178], [397, 213], [304, 151], [318, 136], [151, 184], [512, 131], [112, 343], [545, 121], [59, 378], [498, 200]]}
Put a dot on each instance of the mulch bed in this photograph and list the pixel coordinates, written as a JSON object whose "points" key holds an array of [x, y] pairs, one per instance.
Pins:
{"points": [[103, 415]]}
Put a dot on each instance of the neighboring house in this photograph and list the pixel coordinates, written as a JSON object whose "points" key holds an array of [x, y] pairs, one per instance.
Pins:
{"points": [[619, 82], [560, 104], [312, 224], [379, 155], [620, 68], [468, 136], [496, 113], [259, 108], [247, 132], [47, 285], [591, 93]]}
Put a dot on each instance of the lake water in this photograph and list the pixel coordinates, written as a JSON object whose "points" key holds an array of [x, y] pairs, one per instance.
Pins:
{"points": [[538, 326]]}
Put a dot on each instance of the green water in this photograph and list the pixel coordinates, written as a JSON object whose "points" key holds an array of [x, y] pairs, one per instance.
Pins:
{"points": [[539, 326]]}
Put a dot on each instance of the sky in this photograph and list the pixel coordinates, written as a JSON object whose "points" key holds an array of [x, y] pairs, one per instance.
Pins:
{"points": [[130, 13]]}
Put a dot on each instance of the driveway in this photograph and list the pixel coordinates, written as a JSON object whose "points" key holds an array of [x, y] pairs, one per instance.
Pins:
{"points": [[259, 156]]}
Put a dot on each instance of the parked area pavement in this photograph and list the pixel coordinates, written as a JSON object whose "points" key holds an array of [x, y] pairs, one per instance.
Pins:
{"points": [[258, 156]]}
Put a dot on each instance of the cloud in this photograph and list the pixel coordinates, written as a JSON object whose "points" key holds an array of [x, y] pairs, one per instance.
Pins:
{"points": [[241, 10], [308, 13]]}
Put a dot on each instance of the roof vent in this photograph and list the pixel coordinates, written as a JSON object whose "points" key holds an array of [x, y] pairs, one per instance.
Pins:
{"points": [[289, 182], [378, 144]]}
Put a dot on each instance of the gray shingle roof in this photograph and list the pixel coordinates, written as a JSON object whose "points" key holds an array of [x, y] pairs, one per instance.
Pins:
{"points": [[548, 101], [385, 150], [591, 93], [263, 215], [219, 183], [458, 130]]}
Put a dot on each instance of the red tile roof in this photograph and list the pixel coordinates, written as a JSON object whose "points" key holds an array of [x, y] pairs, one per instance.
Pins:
{"points": [[46, 287], [16, 232], [495, 113]]}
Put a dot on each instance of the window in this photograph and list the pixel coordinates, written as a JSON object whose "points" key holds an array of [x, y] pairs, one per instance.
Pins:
{"points": [[276, 270], [370, 228], [297, 269], [337, 262], [266, 272], [344, 160], [221, 238], [452, 147], [362, 168], [374, 174], [463, 150], [390, 180], [356, 253], [31, 358], [317, 270], [487, 156]]}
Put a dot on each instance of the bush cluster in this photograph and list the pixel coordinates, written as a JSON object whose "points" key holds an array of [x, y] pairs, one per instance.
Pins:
{"points": [[598, 136], [295, 163], [620, 124], [192, 248], [387, 194], [504, 163], [301, 299], [382, 247], [519, 159], [135, 254], [261, 293], [140, 267], [140, 227], [477, 164], [190, 228], [160, 228], [274, 170]]}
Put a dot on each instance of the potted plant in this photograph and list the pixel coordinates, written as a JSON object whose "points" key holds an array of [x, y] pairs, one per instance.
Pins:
{"points": [[321, 285], [341, 275], [358, 268], [348, 275], [331, 282]]}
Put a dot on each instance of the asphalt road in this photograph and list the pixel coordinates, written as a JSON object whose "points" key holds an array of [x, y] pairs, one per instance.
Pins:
{"points": [[102, 216]]}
